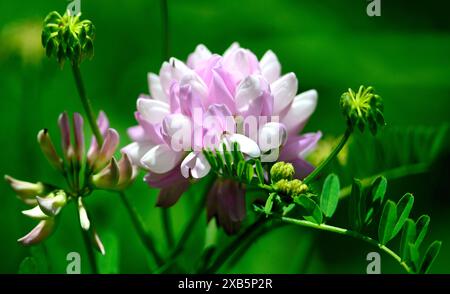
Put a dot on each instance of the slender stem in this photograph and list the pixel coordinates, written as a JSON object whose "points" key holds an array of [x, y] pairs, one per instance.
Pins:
{"points": [[86, 103], [90, 251], [167, 225], [330, 157], [165, 29], [228, 251], [187, 232], [146, 238], [395, 173], [346, 232]]}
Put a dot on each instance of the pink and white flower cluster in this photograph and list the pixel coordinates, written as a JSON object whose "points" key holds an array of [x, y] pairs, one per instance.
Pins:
{"points": [[214, 99]]}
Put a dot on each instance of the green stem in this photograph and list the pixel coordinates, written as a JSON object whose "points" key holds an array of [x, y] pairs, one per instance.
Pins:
{"points": [[330, 157], [145, 237], [395, 173], [226, 253], [86, 103], [165, 28], [167, 225], [90, 251], [346, 232]]}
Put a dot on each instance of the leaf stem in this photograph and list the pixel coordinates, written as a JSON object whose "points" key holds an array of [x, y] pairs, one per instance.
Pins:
{"points": [[86, 103], [350, 233], [395, 173], [167, 226], [145, 237], [330, 157]]}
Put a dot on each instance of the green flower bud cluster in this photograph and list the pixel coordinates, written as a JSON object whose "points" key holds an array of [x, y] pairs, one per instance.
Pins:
{"points": [[68, 37], [282, 170], [290, 188], [363, 108]]}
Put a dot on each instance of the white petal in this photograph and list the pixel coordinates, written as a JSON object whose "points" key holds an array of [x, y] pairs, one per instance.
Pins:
{"points": [[195, 165], [200, 54], [271, 136], [177, 128], [84, 219], [136, 151], [151, 110], [246, 145], [301, 109], [35, 213], [155, 88], [248, 90], [234, 46], [161, 159], [172, 70], [270, 66], [283, 91]]}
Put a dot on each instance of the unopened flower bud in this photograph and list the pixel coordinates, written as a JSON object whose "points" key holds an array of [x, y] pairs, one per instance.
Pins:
{"points": [[78, 136], [68, 37], [363, 108], [291, 188], [282, 170], [38, 233], [49, 150], [108, 177], [108, 148], [26, 191], [84, 219], [98, 243], [52, 203], [64, 126], [35, 213]]}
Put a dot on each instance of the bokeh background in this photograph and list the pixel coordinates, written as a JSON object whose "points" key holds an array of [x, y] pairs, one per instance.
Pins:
{"points": [[330, 45]]}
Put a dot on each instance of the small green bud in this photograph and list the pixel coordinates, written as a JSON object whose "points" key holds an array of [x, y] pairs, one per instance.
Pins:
{"points": [[68, 37], [290, 188], [281, 170], [363, 108], [52, 204]]}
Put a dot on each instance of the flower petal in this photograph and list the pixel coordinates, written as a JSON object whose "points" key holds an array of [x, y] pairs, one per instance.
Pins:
{"points": [[136, 151], [161, 159], [302, 168], [246, 145], [39, 232], [299, 146], [35, 213], [271, 136], [177, 131], [301, 109], [152, 110], [155, 88], [200, 54], [270, 66], [195, 165], [84, 219], [169, 196], [283, 91], [164, 180]]}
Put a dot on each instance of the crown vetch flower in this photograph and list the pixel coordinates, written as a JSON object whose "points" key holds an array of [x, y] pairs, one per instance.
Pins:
{"points": [[83, 172], [213, 100]]}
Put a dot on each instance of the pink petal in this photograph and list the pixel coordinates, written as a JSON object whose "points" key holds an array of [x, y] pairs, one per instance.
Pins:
{"points": [[200, 54], [299, 146], [38, 233], [301, 109], [270, 66], [283, 91]]}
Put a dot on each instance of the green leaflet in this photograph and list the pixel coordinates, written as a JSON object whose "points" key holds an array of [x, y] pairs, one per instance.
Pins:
{"points": [[357, 206], [404, 207], [387, 222], [330, 195], [408, 237], [375, 199], [422, 225], [310, 210], [29, 266], [430, 256], [259, 171]]}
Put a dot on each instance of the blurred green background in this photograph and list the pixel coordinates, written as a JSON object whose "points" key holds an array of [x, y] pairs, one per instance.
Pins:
{"points": [[330, 45]]}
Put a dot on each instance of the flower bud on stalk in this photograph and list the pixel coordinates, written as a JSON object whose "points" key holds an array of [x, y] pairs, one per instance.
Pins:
{"points": [[49, 150], [282, 170]]}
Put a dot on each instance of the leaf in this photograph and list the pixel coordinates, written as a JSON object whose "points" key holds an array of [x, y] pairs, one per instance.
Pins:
{"points": [[28, 266], [404, 207], [259, 171], [249, 172], [375, 198], [387, 222], [357, 206], [330, 195], [414, 255], [269, 204], [422, 225], [408, 237], [430, 256], [240, 169], [311, 211]]}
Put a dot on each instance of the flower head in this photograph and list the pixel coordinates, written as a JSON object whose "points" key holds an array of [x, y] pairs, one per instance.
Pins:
{"points": [[68, 37], [363, 108], [84, 172], [214, 101]]}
